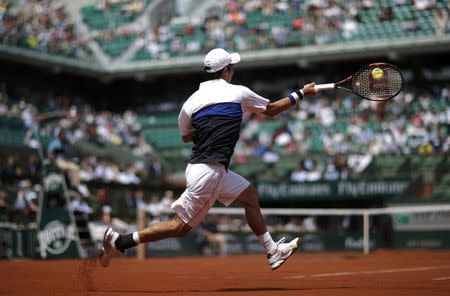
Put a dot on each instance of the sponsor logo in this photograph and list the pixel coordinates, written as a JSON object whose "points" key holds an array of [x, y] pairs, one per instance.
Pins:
{"points": [[371, 187], [352, 243], [277, 191], [312, 243], [55, 238], [52, 181], [424, 243], [169, 244]]}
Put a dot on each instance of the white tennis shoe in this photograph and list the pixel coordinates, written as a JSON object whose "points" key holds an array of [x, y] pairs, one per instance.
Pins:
{"points": [[284, 251], [109, 249]]}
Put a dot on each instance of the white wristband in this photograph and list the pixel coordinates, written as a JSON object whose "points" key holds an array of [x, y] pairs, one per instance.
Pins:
{"points": [[295, 95]]}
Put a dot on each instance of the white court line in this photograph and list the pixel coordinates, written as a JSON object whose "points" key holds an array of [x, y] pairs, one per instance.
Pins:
{"points": [[422, 268], [442, 278]]}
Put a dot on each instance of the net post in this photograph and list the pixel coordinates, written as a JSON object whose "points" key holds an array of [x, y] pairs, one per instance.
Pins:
{"points": [[140, 249], [366, 232]]}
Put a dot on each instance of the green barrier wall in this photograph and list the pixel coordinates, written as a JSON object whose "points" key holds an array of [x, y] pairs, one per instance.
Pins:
{"points": [[20, 242]]}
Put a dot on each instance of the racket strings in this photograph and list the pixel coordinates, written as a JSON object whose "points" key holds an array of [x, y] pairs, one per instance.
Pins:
{"points": [[380, 87]]}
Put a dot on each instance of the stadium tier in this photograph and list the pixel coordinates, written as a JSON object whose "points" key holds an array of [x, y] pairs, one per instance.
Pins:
{"points": [[280, 24], [250, 26], [42, 26], [325, 139], [111, 15]]}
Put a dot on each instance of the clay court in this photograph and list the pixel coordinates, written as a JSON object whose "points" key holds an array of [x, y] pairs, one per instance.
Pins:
{"points": [[419, 272]]}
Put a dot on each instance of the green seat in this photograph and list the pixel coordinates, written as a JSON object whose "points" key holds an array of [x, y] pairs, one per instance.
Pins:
{"points": [[158, 120], [425, 166], [388, 165], [164, 137], [11, 137], [112, 18]]}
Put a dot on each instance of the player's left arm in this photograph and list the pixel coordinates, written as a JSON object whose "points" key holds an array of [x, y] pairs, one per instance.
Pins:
{"points": [[275, 108], [187, 138], [185, 126]]}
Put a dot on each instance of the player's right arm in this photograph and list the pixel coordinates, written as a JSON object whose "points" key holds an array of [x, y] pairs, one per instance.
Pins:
{"points": [[255, 103], [275, 108]]}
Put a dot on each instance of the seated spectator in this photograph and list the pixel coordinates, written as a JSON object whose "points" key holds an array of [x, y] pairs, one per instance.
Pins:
{"points": [[25, 205], [294, 224], [299, 174], [4, 207], [424, 4], [109, 220], [309, 224], [79, 204], [306, 171], [10, 169], [154, 208], [33, 165], [58, 152], [386, 14], [331, 174], [208, 235]]}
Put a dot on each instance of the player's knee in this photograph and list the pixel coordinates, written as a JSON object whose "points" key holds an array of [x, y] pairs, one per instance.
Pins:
{"points": [[250, 197], [182, 232], [178, 228]]}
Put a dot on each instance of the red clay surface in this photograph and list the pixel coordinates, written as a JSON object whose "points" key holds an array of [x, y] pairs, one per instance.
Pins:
{"points": [[419, 272]]}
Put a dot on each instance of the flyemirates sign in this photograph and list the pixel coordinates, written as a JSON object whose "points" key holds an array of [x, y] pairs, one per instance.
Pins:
{"points": [[332, 190]]}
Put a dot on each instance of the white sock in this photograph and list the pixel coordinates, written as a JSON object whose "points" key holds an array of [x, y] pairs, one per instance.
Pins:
{"points": [[136, 238], [267, 242]]}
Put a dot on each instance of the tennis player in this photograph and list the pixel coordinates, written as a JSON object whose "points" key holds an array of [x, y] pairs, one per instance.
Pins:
{"points": [[211, 118]]}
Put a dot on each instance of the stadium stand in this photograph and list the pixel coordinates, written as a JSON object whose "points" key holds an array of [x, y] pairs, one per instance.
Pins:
{"points": [[43, 26], [256, 25], [295, 148], [250, 25], [112, 14]]}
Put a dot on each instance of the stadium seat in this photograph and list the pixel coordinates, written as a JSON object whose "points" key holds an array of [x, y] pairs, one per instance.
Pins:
{"points": [[164, 137], [109, 19], [158, 120], [425, 166], [11, 137], [117, 46], [388, 166]]}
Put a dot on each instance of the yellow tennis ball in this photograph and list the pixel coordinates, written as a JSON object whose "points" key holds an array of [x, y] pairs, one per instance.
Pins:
{"points": [[377, 73]]}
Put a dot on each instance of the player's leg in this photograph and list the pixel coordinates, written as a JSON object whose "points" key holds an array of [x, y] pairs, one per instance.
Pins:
{"points": [[277, 253], [249, 198], [237, 188], [161, 230], [115, 243], [204, 183]]}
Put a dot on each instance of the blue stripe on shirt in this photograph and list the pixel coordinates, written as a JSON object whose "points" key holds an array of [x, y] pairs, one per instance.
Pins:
{"points": [[221, 109]]}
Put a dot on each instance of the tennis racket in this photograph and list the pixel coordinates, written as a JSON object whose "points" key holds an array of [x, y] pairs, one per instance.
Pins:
{"points": [[374, 82]]}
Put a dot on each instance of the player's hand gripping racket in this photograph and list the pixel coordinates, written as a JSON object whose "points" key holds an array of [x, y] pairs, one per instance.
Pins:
{"points": [[375, 82]]}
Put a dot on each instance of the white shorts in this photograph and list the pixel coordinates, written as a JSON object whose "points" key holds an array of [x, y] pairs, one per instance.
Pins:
{"points": [[207, 183]]}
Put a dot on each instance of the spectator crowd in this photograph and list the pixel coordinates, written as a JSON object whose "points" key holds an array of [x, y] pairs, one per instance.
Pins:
{"points": [[348, 131], [43, 26], [255, 25], [240, 25], [76, 144]]}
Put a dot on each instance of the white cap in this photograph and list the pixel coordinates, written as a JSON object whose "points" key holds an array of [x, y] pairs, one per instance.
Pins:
{"points": [[219, 58]]}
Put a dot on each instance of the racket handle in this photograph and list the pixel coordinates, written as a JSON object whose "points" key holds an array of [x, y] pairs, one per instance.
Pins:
{"points": [[328, 86]]}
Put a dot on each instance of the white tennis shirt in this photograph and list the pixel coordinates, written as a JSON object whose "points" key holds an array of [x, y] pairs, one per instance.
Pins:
{"points": [[213, 115]]}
